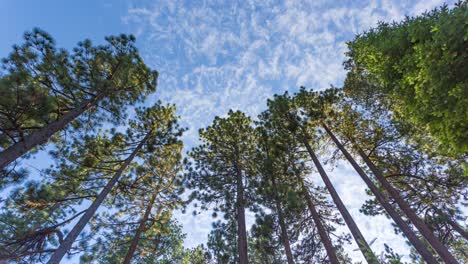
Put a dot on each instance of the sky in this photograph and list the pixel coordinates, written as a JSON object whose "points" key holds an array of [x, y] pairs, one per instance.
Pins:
{"points": [[213, 56]]}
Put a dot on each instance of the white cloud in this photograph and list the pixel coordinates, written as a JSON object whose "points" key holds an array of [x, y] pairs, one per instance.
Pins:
{"points": [[213, 57]]}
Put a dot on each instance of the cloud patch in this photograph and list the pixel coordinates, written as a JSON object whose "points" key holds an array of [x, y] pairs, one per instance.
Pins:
{"points": [[216, 56]]}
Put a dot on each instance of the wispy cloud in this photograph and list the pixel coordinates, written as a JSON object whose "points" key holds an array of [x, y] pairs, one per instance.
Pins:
{"points": [[216, 56]]}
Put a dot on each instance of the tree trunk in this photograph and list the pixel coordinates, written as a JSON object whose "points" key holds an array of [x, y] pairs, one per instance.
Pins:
{"points": [[141, 229], [284, 231], [404, 206], [71, 237], [458, 228], [241, 226], [42, 135], [331, 252], [405, 228], [358, 237]]}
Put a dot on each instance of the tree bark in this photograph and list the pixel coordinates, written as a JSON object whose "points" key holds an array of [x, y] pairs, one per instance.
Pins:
{"points": [[440, 248], [405, 228], [42, 135], [358, 237], [141, 229], [284, 231], [331, 252], [241, 226], [71, 237]]}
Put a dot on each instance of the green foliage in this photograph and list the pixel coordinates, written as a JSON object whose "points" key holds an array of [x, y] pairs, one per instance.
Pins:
{"points": [[227, 149], [417, 70], [434, 185], [82, 168], [40, 83], [162, 243], [222, 241]]}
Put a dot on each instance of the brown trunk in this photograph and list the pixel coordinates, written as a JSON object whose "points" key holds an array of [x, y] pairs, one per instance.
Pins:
{"points": [[404, 206], [358, 237], [331, 253], [42, 135], [405, 228], [141, 229], [284, 232], [241, 226], [71, 237]]}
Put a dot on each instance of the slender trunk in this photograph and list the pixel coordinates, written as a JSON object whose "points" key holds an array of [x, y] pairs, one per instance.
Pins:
{"points": [[405, 228], [141, 229], [284, 232], [42, 135], [458, 228], [331, 252], [358, 237], [71, 237], [241, 226], [412, 216]]}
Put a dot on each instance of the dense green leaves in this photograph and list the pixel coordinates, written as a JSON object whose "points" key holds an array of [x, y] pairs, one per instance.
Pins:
{"points": [[402, 111], [417, 70]]}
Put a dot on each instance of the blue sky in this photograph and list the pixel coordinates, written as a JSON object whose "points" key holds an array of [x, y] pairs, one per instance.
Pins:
{"points": [[215, 56]]}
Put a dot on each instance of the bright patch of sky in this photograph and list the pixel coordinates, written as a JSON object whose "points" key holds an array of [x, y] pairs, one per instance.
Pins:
{"points": [[219, 55]]}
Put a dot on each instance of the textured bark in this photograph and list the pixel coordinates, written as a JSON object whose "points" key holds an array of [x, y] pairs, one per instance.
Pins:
{"points": [[141, 229], [440, 248], [241, 226], [284, 231], [71, 237], [358, 237], [42, 135], [405, 228], [331, 252]]}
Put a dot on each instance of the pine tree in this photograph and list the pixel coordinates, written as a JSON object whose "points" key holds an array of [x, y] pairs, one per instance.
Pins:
{"points": [[60, 87], [223, 168], [272, 188], [39, 211], [154, 128], [151, 191], [222, 241], [286, 139], [432, 185]]}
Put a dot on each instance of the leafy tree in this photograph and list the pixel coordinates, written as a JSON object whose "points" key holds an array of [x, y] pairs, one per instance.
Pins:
{"points": [[197, 255], [223, 167], [44, 89], [416, 69]]}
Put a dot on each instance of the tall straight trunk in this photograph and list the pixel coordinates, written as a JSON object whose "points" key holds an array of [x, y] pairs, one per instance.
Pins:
{"points": [[405, 228], [331, 252], [284, 231], [358, 237], [440, 248], [71, 237], [458, 228], [241, 226], [42, 135], [141, 229]]}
